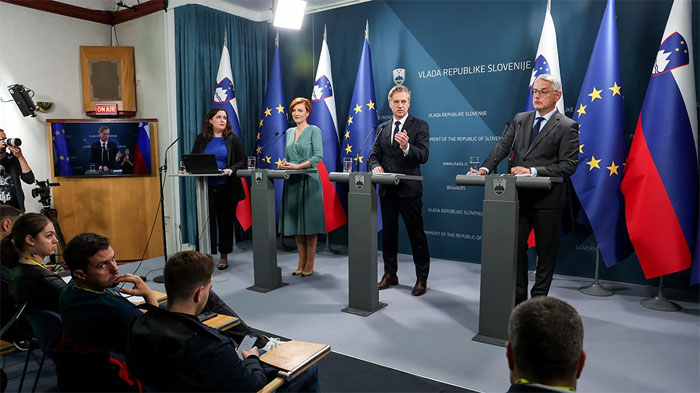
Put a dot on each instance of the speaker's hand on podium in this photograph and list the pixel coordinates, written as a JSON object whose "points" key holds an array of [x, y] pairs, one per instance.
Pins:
{"points": [[520, 170], [228, 171], [378, 169], [480, 172]]}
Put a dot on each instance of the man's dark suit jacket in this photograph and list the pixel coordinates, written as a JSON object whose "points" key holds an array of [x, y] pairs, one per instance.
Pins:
{"points": [[96, 154], [554, 153], [390, 157]]}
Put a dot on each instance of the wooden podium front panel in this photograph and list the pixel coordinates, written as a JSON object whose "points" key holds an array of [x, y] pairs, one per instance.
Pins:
{"points": [[122, 208], [96, 58]]}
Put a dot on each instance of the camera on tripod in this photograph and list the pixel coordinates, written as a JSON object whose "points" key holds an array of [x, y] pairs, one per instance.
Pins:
{"points": [[43, 192]]}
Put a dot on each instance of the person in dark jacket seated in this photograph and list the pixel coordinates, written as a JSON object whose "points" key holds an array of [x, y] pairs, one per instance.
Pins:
{"points": [[93, 311], [545, 346], [32, 239], [171, 350]]}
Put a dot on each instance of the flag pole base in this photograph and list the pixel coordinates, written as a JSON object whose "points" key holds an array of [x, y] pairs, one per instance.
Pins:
{"points": [[659, 303], [596, 289]]}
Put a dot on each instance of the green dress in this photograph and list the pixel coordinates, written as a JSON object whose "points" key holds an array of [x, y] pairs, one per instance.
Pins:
{"points": [[302, 198]]}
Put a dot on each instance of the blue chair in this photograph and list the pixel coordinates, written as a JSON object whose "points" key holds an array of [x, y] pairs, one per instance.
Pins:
{"points": [[48, 328]]}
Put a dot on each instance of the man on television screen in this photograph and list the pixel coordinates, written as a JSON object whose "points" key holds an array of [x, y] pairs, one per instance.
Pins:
{"points": [[104, 153]]}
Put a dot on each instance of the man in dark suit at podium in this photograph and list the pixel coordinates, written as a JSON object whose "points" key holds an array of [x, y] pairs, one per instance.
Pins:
{"points": [[542, 142], [402, 146], [104, 152]]}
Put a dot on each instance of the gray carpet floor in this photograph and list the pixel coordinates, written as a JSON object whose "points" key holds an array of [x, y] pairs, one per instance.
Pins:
{"points": [[630, 348]]}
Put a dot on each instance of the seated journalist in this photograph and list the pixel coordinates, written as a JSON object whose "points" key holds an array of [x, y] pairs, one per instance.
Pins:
{"points": [[171, 350], [92, 309], [545, 346]]}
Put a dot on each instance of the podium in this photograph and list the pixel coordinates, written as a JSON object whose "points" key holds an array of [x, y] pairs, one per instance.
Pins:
{"points": [[499, 248], [267, 276], [362, 236], [202, 194]]}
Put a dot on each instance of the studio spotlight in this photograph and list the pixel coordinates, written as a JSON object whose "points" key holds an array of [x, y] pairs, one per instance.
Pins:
{"points": [[289, 14], [23, 100]]}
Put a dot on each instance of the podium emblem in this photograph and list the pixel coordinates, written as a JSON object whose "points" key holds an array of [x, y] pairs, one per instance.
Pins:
{"points": [[258, 177], [499, 186], [359, 182]]}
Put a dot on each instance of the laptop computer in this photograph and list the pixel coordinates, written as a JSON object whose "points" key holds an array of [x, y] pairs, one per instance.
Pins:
{"points": [[200, 163]]}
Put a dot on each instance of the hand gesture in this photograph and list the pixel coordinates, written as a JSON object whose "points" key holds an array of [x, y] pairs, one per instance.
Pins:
{"points": [[253, 351], [140, 288], [378, 169], [401, 138], [519, 170]]}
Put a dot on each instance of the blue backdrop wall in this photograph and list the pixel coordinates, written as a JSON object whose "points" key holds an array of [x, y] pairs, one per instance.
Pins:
{"points": [[468, 64]]}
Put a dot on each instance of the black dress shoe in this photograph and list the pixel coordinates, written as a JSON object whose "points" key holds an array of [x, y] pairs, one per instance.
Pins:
{"points": [[420, 288], [387, 281]]}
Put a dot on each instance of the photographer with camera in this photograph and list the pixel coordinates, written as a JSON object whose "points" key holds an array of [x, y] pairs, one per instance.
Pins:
{"points": [[13, 167]]}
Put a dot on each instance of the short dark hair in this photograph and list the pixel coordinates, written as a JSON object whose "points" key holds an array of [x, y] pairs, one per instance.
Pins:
{"points": [[184, 272], [12, 245], [101, 129], [7, 211], [546, 338], [81, 248]]}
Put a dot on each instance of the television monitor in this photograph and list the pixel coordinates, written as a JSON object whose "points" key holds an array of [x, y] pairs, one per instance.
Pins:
{"points": [[101, 148]]}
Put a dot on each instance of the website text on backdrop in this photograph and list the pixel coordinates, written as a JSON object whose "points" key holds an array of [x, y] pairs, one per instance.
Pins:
{"points": [[13, 168], [223, 192], [302, 198], [401, 147], [542, 142]]}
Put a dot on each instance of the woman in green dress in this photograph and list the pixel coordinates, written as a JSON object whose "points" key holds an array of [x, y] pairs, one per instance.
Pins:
{"points": [[302, 199]]}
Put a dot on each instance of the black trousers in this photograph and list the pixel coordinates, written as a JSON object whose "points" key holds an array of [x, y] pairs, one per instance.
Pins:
{"points": [[222, 212], [410, 210], [546, 223]]}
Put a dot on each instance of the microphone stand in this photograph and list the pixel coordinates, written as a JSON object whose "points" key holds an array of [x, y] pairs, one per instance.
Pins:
{"points": [[161, 170], [357, 157]]}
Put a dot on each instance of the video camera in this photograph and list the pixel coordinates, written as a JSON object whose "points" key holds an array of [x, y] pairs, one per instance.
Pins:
{"points": [[43, 192]]}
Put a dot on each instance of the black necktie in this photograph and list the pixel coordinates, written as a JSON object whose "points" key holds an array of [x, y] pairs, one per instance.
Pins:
{"points": [[396, 131], [536, 129], [104, 154]]}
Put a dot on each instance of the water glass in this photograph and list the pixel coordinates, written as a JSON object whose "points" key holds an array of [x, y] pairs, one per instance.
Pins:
{"points": [[92, 167], [347, 164], [474, 162], [251, 162]]}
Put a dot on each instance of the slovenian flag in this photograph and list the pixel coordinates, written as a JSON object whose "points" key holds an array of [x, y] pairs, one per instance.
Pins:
{"points": [[61, 160], [142, 150], [547, 59], [603, 144], [272, 124], [660, 184], [323, 116], [225, 98]]}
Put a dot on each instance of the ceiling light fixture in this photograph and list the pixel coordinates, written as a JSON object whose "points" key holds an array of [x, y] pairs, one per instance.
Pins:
{"points": [[289, 14]]}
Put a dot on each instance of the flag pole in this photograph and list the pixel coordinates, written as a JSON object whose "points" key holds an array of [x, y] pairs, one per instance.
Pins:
{"points": [[595, 289], [327, 250], [659, 302]]}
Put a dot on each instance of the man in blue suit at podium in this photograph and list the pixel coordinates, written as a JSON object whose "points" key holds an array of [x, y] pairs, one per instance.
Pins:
{"points": [[542, 142], [401, 147]]}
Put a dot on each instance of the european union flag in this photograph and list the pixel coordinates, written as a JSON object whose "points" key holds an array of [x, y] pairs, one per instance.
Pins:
{"points": [[61, 163], [603, 146], [273, 123], [362, 117]]}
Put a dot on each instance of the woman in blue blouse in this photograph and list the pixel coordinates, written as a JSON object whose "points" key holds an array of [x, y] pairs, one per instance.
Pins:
{"points": [[302, 200], [224, 191]]}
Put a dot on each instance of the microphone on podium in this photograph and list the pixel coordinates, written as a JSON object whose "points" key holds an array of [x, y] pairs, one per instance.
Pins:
{"points": [[357, 157]]}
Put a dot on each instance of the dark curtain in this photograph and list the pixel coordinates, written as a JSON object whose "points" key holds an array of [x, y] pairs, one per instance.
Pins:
{"points": [[199, 38]]}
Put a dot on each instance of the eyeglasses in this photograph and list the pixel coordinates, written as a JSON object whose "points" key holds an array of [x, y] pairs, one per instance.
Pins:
{"points": [[543, 92]]}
